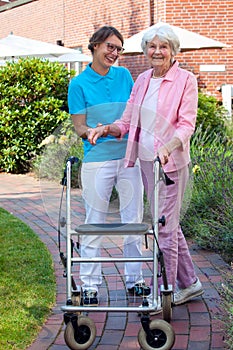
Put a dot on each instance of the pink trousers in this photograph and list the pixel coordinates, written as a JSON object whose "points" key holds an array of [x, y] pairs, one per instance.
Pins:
{"points": [[178, 262]]}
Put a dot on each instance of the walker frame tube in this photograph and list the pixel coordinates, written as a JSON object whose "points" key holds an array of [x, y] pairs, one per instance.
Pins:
{"points": [[122, 229]]}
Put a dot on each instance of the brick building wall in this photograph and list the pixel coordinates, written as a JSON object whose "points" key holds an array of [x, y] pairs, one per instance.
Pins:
{"points": [[73, 22], [213, 19]]}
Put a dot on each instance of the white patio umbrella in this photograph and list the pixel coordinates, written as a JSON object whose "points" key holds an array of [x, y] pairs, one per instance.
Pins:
{"points": [[188, 40], [18, 46], [7, 51], [74, 57]]}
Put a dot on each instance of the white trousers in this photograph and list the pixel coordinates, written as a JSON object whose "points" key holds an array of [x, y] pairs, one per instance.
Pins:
{"points": [[98, 180]]}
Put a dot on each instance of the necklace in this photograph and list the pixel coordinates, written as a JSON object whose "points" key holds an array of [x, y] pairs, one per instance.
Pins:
{"points": [[160, 76]]}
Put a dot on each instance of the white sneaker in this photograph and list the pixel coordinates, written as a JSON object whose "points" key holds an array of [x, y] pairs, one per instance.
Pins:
{"points": [[158, 310], [184, 295]]}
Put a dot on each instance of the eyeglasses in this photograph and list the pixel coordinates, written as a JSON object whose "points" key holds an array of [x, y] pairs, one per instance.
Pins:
{"points": [[112, 48]]}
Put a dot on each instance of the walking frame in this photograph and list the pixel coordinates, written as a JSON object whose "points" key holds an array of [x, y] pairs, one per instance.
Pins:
{"points": [[80, 331]]}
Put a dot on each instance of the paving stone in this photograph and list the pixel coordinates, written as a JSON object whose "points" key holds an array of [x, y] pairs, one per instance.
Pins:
{"points": [[198, 345], [181, 342]]}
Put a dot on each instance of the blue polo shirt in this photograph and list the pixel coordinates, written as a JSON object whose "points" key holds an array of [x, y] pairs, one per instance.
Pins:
{"points": [[103, 100]]}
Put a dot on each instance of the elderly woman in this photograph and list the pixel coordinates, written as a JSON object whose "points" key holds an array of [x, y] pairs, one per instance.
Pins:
{"points": [[160, 118]]}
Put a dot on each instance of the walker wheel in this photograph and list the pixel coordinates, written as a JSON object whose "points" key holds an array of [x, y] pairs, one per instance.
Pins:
{"points": [[86, 333], [162, 336], [167, 307]]}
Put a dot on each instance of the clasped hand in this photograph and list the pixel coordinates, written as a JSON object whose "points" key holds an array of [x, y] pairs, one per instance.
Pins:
{"points": [[95, 133]]}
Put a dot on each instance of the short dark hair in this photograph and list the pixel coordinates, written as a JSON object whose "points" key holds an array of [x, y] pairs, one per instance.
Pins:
{"points": [[102, 34]]}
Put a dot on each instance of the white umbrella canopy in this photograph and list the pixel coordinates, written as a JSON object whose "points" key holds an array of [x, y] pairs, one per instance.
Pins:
{"points": [[188, 40], [74, 57], [18, 46], [7, 51]]}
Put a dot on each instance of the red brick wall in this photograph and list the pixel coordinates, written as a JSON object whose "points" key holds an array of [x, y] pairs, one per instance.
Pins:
{"points": [[40, 20], [127, 16], [73, 22], [213, 19]]}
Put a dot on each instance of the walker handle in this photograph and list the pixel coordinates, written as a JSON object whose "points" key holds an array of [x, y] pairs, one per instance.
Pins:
{"points": [[162, 174]]}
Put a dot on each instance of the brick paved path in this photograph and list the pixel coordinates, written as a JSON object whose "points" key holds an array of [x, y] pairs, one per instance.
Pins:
{"points": [[196, 324]]}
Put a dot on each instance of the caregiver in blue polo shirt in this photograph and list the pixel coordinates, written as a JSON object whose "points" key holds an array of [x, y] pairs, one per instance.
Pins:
{"points": [[98, 96]]}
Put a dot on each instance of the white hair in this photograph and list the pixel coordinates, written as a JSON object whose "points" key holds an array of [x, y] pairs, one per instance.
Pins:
{"points": [[165, 33]]}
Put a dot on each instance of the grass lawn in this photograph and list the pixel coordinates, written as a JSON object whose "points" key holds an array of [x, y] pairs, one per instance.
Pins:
{"points": [[27, 283]]}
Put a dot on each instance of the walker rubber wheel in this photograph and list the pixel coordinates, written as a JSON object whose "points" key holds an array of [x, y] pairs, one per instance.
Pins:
{"points": [[86, 333], [167, 307], [162, 336]]}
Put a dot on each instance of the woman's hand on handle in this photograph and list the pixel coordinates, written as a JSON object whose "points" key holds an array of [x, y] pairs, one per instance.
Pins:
{"points": [[163, 155], [165, 150]]}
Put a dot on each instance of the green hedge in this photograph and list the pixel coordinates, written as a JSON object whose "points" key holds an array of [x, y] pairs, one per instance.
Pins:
{"points": [[211, 115], [33, 95], [208, 218]]}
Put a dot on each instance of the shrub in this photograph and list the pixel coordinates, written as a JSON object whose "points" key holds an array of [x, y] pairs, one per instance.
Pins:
{"points": [[227, 297], [211, 115], [209, 215], [33, 97], [57, 148]]}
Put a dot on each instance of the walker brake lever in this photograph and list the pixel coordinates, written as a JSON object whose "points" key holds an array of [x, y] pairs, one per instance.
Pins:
{"points": [[72, 160]]}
